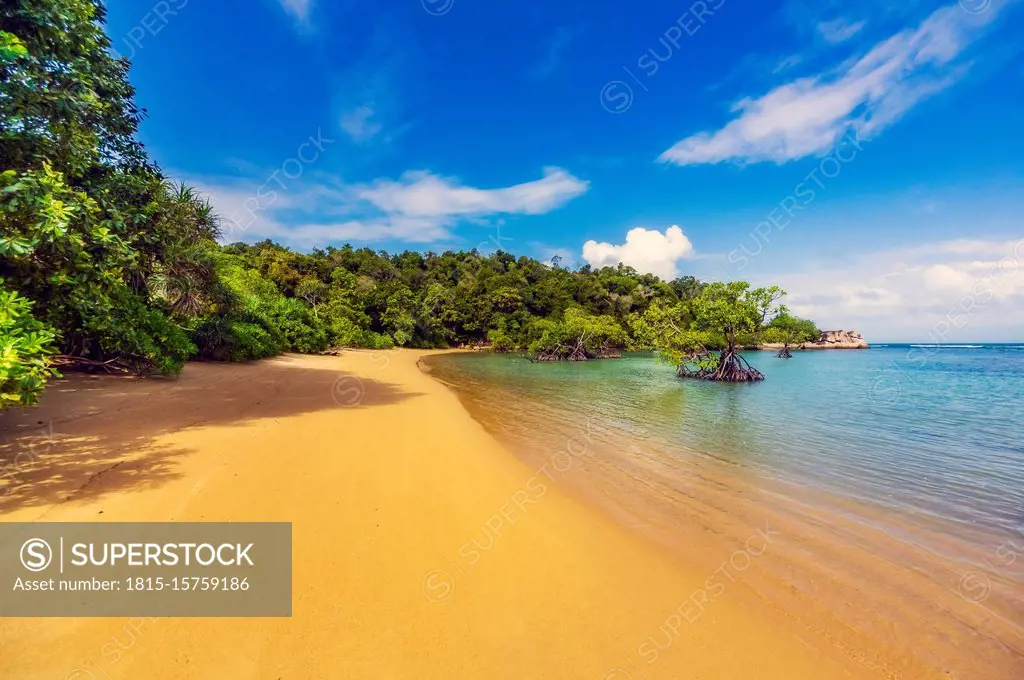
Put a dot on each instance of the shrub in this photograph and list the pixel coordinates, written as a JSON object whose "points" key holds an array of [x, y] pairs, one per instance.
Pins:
{"points": [[300, 330], [26, 345], [346, 333]]}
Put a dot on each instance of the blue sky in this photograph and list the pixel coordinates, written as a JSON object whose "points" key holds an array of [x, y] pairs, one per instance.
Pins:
{"points": [[866, 155]]}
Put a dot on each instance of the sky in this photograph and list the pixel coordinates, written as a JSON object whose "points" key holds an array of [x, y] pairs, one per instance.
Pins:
{"points": [[865, 155]]}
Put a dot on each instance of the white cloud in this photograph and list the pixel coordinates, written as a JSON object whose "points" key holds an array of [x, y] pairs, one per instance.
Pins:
{"points": [[646, 250], [949, 291], [420, 207], [839, 30], [808, 115], [423, 194], [298, 8], [360, 125]]}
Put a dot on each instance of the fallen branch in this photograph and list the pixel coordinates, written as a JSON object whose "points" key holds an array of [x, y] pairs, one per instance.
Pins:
{"points": [[125, 363]]}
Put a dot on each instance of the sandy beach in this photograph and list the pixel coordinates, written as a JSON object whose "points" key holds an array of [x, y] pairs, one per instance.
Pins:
{"points": [[422, 548]]}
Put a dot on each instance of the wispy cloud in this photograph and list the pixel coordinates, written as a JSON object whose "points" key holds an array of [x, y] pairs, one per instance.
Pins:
{"points": [[419, 207], [787, 63], [647, 250], [870, 93], [299, 9], [557, 48], [373, 91], [360, 124], [839, 30]]}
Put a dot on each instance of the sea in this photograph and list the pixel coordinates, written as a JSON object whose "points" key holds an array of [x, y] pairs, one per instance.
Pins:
{"points": [[894, 474]]}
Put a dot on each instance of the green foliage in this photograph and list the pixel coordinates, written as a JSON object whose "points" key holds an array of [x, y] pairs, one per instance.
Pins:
{"points": [[11, 48], [447, 299], [500, 340], [26, 345], [702, 334], [224, 339], [576, 336], [790, 330], [301, 331], [61, 249], [256, 320], [66, 99], [115, 259]]}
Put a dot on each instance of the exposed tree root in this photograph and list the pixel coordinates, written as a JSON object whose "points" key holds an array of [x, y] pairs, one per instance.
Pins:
{"points": [[576, 350], [728, 367]]}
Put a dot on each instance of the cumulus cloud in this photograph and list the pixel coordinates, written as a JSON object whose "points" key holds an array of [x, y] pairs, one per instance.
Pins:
{"points": [[839, 30], [949, 291], [808, 115], [646, 250], [420, 207]]}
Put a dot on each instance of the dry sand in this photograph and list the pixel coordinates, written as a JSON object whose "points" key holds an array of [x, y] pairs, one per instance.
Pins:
{"points": [[422, 548]]}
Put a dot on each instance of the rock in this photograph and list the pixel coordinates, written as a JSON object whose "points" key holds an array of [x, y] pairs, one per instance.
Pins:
{"points": [[838, 340]]}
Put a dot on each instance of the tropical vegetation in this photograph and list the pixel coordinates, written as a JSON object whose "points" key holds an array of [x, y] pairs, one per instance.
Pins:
{"points": [[106, 264]]}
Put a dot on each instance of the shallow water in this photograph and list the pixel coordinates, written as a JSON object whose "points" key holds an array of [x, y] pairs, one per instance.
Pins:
{"points": [[903, 465]]}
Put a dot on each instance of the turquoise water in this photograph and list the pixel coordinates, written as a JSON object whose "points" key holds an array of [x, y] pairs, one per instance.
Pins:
{"points": [[931, 431]]}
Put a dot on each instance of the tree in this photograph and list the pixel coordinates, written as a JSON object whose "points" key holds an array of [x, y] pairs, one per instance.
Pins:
{"points": [[89, 230], [312, 290], [789, 330], [577, 337], [702, 336], [397, 317], [66, 99]]}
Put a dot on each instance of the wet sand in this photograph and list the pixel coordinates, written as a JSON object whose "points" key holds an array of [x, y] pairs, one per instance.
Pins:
{"points": [[422, 547]]}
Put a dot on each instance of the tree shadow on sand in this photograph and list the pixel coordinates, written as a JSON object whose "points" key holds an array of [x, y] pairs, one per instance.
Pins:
{"points": [[95, 435]]}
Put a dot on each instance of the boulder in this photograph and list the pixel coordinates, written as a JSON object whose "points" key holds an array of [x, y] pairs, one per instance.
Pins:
{"points": [[838, 340]]}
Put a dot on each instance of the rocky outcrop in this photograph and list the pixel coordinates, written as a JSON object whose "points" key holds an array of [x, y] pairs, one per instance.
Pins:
{"points": [[827, 340], [838, 340]]}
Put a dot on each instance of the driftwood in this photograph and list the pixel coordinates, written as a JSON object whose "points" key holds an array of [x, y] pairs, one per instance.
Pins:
{"points": [[123, 364]]}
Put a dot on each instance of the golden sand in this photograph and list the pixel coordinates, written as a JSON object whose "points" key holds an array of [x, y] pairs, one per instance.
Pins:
{"points": [[422, 548]]}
